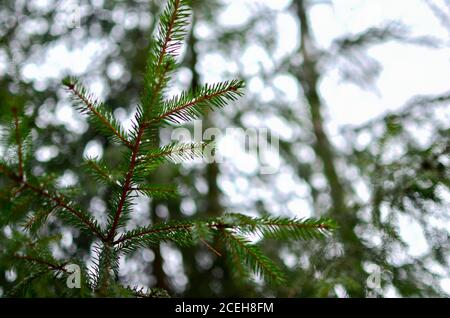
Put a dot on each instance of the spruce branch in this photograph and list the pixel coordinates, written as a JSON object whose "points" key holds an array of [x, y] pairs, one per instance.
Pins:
{"points": [[193, 104], [79, 215], [279, 228], [143, 236], [246, 257], [35, 221], [175, 152], [127, 185], [26, 282], [107, 264], [99, 170], [157, 191], [251, 256], [48, 264], [75, 215], [161, 61], [212, 249], [172, 29], [100, 116], [282, 228]]}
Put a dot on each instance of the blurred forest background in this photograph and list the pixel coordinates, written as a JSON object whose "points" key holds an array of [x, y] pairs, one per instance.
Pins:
{"points": [[356, 91]]}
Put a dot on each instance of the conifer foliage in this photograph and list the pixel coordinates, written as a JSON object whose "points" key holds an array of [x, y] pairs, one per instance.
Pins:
{"points": [[28, 199]]}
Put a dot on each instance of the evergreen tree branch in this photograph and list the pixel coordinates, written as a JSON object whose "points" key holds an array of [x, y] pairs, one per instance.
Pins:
{"points": [[100, 171], [127, 186], [175, 152], [158, 230], [59, 200], [271, 227], [142, 154], [167, 48], [161, 61], [212, 249], [52, 266], [157, 191], [35, 221], [282, 228], [190, 105], [4, 169], [107, 268], [172, 24], [105, 118], [252, 256]]}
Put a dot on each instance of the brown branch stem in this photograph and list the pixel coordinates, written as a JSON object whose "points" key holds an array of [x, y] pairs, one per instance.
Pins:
{"points": [[142, 126], [127, 184], [42, 262], [59, 200], [105, 121], [194, 102], [211, 248], [151, 231], [62, 203]]}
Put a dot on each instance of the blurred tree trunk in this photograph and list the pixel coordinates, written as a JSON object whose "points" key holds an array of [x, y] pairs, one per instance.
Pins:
{"points": [[309, 76], [211, 206]]}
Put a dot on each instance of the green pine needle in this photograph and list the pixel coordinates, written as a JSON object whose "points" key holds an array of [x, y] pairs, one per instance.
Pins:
{"points": [[99, 115], [100, 171], [157, 191], [282, 228], [241, 250], [193, 104], [164, 48], [176, 152]]}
